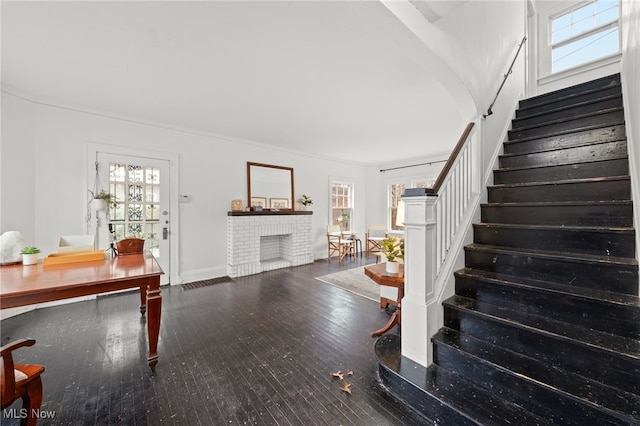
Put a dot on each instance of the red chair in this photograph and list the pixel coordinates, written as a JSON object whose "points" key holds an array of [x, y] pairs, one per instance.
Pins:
{"points": [[21, 381]]}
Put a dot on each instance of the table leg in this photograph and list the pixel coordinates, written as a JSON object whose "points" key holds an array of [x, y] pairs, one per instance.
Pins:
{"points": [[143, 299], [154, 306], [394, 320]]}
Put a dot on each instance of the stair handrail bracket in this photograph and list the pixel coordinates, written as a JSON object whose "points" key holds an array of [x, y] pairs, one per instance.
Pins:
{"points": [[435, 225]]}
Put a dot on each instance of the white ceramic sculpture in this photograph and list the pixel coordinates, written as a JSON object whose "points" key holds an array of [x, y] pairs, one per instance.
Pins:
{"points": [[11, 244]]}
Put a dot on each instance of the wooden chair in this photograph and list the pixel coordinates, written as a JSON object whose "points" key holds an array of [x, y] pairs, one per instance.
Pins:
{"points": [[21, 381], [130, 246], [338, 243], [375, 234]]}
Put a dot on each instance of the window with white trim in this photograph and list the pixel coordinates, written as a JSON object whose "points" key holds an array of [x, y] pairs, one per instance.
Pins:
{"points": [[342, 205], [585, 33], [395, 194]]}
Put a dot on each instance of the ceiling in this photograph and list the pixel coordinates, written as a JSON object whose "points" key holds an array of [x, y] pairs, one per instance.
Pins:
{"points": [[336, 79]]}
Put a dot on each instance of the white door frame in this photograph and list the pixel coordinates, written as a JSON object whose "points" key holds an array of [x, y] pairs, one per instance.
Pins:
{"points": [[172, 158]]}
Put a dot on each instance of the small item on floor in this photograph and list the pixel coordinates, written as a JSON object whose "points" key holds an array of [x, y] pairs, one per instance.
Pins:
{"points": [[350, 373], [338, 374], [346, 387]]}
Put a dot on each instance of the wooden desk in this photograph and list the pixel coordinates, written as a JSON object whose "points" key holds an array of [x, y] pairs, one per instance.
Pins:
{"points": [[28, 285], [379, 274]]}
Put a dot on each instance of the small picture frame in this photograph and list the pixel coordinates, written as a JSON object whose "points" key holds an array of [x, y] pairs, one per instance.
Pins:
{"points": [[278, 203], [259, 202]]}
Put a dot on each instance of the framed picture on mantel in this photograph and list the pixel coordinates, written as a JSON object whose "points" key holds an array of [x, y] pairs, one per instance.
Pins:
{"points": [[278, 203], [259, 202]]}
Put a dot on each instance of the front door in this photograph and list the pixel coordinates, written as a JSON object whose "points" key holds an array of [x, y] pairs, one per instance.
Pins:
{"points": [[141, 186]]}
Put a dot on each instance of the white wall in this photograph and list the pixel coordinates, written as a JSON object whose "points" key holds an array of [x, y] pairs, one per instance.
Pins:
{"points": [[483, 37], [47, 145], [486, 35], [17, 171], [631, 89]]}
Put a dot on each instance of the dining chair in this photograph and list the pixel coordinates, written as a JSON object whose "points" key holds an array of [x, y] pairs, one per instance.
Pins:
{"points": [[21, 381], [375, 234], [338, 242]]}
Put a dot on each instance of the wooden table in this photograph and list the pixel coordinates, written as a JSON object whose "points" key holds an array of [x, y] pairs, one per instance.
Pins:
{"points": [[28, 285], [379, 274]]}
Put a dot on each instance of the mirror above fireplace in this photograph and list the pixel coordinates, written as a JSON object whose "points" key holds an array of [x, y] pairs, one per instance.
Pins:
{"points": [[270, 186]]}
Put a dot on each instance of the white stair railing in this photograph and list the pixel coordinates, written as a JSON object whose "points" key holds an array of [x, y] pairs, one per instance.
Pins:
{"points": [[436, 221]]}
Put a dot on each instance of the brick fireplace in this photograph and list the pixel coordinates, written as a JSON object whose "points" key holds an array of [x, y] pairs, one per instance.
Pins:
{"points": [[264, 241]]}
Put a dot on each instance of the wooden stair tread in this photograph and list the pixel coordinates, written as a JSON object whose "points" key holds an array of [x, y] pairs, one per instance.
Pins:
{"points": [[562, 148], [606, 342], [597, 97], [574, 228], [564, 120], [439, 389], [563, 132], [564, 203], [566, 107], [569, 385], [572, 91], [556, 255], [562, 182], [601, 296]]}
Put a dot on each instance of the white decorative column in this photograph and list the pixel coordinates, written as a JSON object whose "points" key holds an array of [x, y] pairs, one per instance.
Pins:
{"points": [[420, 271]]}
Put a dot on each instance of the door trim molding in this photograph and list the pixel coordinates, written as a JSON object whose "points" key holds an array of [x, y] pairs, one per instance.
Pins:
{"points": [[92, 150]]}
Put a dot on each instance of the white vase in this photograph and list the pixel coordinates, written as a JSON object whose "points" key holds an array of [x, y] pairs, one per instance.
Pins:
{"points": [[392, 267], [98, 204], [29, 259]]}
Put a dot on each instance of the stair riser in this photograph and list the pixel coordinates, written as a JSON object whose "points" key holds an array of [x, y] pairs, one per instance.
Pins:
{"points": [[601, 276], [597, 315], [424, 403], [559, 380], [609, 190], [553, 405], [573, 155], [608, 91], [609, 81], [617, 244], [603, 134], [619, 167], [598, 120], [569, 215], [606, 367], [586, 108]]}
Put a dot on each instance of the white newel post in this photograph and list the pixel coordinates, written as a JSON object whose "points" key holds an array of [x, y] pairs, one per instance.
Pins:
{"points": [[420, 274]]}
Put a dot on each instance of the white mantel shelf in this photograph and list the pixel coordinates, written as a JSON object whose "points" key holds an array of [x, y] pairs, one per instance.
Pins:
{"points": [[267, 240]]}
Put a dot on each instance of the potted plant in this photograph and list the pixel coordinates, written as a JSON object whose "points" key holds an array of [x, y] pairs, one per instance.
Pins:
{"points": [[393, 249], [102, 200], [30, 255], [305, 201]]}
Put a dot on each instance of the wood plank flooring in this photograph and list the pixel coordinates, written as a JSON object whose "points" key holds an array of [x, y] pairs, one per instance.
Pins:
{"points": [[256, 351]]}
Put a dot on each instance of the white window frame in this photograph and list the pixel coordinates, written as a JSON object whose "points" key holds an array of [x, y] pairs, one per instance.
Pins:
{"points": [[336, 181], [546, 47]]}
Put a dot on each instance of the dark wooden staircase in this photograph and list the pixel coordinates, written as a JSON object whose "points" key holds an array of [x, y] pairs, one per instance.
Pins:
{"points": [[544, 326]]}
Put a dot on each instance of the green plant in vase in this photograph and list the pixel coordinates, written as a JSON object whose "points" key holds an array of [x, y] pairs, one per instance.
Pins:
{"points": [[30, 255], [393, 249], [106, 200]]}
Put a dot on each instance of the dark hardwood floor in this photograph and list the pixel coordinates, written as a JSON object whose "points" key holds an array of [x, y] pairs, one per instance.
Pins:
{"points": [[259, 350]]}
